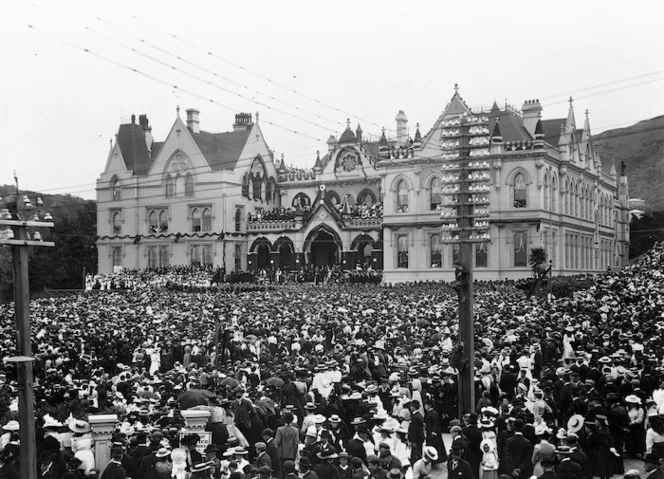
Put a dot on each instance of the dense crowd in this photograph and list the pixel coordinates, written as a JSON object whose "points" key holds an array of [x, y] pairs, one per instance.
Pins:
{"points": [[359, 210], [347, 381]]}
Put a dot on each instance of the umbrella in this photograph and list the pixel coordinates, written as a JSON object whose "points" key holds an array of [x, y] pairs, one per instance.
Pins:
{"points": [[229, 381], [194, 397], [423, 323], [275, 382]]}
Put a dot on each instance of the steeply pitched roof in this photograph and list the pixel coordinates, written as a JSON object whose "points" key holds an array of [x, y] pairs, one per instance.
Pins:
{"points": [[131, 140], [347, 136], [221, 150], [551, 129], [511, 127]]}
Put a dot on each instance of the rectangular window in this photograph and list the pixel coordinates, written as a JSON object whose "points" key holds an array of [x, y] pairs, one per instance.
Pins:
{"points": [[520, 249], [402, 251], [436, 249], [238, 257], [153, 257], [481, 255], [163, 256]]}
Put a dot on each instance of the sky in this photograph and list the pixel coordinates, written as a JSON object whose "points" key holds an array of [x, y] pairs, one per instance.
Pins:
{"points": [[74, 70]]}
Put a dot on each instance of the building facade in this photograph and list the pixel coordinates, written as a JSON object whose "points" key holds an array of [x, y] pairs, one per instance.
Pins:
{"points": [[224, 200]]}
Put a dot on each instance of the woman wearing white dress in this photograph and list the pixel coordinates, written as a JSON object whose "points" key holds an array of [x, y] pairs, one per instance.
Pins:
{"points": [[82, 444]]}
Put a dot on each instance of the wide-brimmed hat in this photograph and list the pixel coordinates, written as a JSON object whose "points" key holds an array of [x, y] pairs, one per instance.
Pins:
{"points": [[241, 451], [575, 423], [633, 399], [79, 426], [395, 474], [430, 453], [11, 426], [565, 450], [334, 418], [327, 455], [201, 466], [163, 452]]}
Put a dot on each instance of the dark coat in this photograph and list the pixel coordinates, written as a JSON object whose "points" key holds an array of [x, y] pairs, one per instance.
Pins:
{"points": [[569, 469], [113, 471], [518, 455], [416, 429], [461, 471]]}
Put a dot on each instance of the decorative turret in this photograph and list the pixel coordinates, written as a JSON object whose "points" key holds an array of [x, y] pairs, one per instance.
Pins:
{"points": [[417, 143], [282, 165], [570, 125], [531, 112], [347, 136], [147, 130], [358, 133], [402, 127], [539, 135], [383, 146], [318, 166]]}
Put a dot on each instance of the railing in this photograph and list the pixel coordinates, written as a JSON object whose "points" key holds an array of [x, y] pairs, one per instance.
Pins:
{"points": [[275, 225]]}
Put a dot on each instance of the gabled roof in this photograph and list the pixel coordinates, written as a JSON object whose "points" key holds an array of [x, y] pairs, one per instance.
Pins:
{"points": [[325, 203], [456, 106], [131, 139], [551, 129], [347, 136], [511, 128], [221, 150]]}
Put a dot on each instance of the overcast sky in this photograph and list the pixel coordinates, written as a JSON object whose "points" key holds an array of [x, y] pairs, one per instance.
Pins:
{"points": [[306, 66]]}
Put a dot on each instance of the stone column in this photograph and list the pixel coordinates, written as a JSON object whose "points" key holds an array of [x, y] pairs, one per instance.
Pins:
{"points": [[195, 420], [102, 429]]}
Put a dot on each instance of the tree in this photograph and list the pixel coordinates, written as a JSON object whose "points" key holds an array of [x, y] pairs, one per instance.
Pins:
{"points": [[537, 260]]}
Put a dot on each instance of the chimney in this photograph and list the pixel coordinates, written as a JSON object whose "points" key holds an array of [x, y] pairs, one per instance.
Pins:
{"points": [[331, 143], [243, 122], [147, 130], [402, 127], [192, 120], [531, 111]]}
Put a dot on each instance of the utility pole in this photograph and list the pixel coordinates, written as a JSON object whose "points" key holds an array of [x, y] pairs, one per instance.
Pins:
{"points": [[14, 233], [466, 142]]}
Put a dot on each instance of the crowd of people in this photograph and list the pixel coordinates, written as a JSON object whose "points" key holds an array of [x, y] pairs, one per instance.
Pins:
{"points": [[359, 210], [347, 381]]}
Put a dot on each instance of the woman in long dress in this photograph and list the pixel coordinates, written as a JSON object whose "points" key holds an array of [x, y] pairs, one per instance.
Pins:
{"points": [[544, 449], [489, 464], [568, 338]]}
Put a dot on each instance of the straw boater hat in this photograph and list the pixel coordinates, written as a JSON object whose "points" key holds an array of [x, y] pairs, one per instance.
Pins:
{"points": [[11, 426], [162, 452], [431, 453], [79, 426], [575, 423]]}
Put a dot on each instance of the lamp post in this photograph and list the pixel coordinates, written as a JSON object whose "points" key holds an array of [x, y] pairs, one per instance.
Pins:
{"points": [[14, 233], [465, 140]]}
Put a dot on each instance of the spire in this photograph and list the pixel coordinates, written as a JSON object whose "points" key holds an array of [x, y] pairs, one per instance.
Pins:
{"points": [[318, 165], [358, 133], [418, 137], [571, 123], [494, 107], [347, 136], [383, 139], [586, 126], [383, 146]]}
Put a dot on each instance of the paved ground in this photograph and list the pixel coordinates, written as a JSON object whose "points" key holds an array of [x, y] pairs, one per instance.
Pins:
{"points": [[440, 471]]}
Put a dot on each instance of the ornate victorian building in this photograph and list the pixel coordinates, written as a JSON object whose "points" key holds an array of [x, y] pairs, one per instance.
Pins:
{"points": [[223, 199]]}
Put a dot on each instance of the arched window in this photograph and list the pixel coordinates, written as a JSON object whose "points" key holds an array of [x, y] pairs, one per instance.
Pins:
{"points": [[520, 191], [188, 185], [206, 220], [520, 249], [257, 184], [269, 191], [153, 221], [195, 219], [301, 200], [436, 192], [547, 193], [116, 259], [566, 194], [436, 252], [245, 185], [402, 197], [238, 257], [169, 187], [117, 223], [554, 194], [116, 190], [238, 219], [163, 221], [366, 197]]}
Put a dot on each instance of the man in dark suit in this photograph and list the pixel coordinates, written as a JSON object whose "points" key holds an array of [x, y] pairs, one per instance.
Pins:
{"points": [[272, 451], [114, 469], [567, 469], [457, 468], [474, 437], [459, 440], [518, 453], [356, 445], [416, 431], [287, 439], [548, 465]]}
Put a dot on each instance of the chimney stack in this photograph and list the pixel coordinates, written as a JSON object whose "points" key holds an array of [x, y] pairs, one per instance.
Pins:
{"points": [[243, 122], [531, 112], [193, 122], [402, 127]]}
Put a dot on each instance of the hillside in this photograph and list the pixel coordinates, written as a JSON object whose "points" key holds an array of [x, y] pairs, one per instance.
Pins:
{"points": [[641, 147], [60, 206]]}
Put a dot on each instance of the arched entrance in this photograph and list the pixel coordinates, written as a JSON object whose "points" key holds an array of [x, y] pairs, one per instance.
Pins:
{"points": [[286, 253], [263, 256], [362, 249], [259, 254], [323, 247]]}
